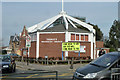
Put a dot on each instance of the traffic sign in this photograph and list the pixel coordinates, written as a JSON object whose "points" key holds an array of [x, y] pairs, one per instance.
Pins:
{"points": [[28, 41], [24, 52], [70, 46], [28, 38]]}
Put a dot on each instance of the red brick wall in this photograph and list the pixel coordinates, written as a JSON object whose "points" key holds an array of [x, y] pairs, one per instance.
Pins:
{"points": [[33, 50], [49, 47], [99, 44], [87, 53]]}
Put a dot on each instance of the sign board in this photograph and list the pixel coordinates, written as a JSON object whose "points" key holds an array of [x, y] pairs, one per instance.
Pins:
{"points": [[28, 41], [24, 52], [70, 46], [46, 56]]}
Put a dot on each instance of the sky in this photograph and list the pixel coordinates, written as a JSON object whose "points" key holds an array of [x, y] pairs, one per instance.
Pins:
{"points": [[17, 14]]}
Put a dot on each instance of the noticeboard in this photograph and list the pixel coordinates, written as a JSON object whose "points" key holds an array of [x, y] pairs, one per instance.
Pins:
{"points": [[70, 46]]}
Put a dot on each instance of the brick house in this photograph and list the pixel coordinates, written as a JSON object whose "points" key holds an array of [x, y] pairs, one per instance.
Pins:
{"points": [[14, 43], [22, 46]]}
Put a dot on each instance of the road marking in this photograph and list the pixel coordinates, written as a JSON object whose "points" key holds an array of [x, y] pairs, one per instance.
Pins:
{"points": [[42, 76], [31, 76], [3, 76], [65, 74]]}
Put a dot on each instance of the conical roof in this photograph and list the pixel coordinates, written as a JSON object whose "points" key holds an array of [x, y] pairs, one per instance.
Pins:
{"points": [[66, 19], [61, 28]]}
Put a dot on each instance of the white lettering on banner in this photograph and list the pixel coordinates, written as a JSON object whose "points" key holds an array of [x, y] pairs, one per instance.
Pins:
{"points": [[51, 40], [46, 41], [57, 41]]}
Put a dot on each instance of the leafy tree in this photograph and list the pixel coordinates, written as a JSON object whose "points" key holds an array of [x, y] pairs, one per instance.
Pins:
{"points": [[114, 35], [107, 43], [99, 34]]}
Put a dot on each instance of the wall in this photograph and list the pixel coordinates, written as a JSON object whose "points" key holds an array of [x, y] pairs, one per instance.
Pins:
{"points": [[51, 44], [99, 44], [33, 50]]}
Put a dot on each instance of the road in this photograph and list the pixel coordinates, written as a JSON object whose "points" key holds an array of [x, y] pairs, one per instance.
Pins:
{"points": [[38, 71]]}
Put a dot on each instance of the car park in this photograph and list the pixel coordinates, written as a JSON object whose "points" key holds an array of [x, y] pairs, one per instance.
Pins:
{"points": [[99, 69], [7, 64]]}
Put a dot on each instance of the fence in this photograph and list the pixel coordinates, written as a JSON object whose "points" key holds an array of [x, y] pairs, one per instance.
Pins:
{"points": [[115, 74], [52, 62]]}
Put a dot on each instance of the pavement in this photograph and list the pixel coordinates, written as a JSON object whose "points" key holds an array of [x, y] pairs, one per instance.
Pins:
{"points": [[63, 70], [59, 68]]}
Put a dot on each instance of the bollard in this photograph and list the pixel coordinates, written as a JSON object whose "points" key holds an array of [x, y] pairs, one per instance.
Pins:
{"points": [[47, 61], [42, 62], [56, 62], [56, 75], [68, 62], [27, 60], [71, 66]]}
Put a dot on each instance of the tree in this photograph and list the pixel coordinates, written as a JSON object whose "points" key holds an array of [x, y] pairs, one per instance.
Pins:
{"points": [[106, 41], [114, 35], [99, 34]]}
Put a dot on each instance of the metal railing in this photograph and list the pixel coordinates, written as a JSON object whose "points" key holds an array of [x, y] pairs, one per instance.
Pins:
{"points": [[52, 62], [115, 74]]}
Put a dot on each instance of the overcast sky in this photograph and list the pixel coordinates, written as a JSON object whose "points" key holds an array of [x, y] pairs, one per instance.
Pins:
{"points": [[17, 14]]}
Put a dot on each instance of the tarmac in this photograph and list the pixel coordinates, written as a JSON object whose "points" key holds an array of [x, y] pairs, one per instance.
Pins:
{"points": [[63, 70]]}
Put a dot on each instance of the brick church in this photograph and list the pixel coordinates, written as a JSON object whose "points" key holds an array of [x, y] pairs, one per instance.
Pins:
{"points": [[47, 37]]}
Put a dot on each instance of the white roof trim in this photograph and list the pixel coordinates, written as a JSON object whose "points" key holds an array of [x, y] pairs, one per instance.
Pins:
{"points": [[52, 20], [45, 24], [15, 37], [80, 23], [42, 24]]}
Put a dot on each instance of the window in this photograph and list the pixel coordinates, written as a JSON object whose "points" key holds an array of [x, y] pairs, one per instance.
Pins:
{"points": [[82, 37], [86, 37], [72, 36], [33, 37], [77, 36]]}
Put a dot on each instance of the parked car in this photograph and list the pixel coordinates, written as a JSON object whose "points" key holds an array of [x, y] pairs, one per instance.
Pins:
{"points": [[7, 64], [14, 55], [99, 69]]}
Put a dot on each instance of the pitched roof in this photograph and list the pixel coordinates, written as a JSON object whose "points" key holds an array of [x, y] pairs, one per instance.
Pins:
{"points": [[24, 32], [14, 38], [61, 28]]}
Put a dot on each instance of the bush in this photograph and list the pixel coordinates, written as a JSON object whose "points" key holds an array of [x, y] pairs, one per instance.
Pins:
{"points": [[111, 50]]}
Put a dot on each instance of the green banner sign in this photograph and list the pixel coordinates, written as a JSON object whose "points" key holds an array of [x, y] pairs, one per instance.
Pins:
{"points": [[70, 46]]}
